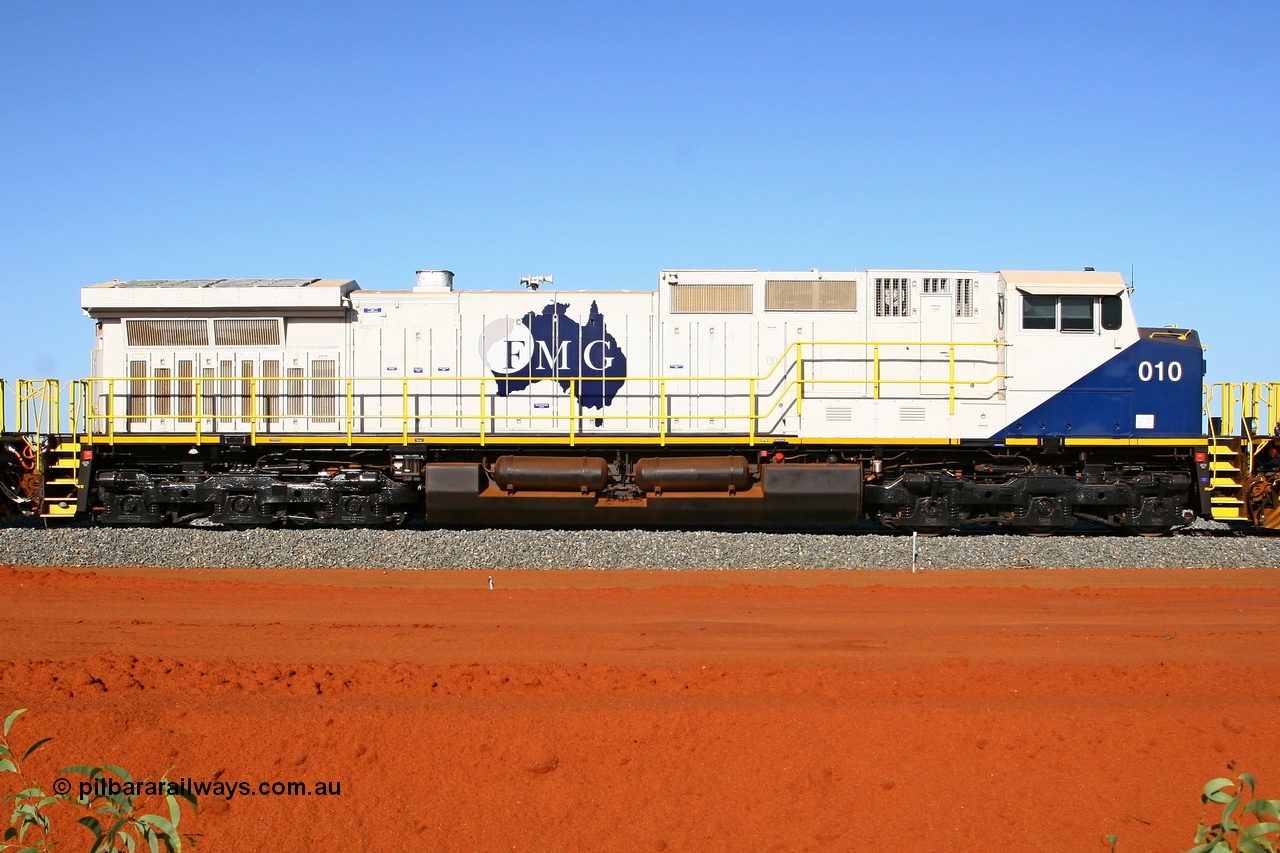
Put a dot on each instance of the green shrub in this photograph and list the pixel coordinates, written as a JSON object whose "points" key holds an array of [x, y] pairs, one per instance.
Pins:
{"points": [[109, 803], [1249, 824]]}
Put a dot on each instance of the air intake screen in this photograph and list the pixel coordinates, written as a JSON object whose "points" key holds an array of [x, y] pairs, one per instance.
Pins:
{"points": [[711, 299], [810, 296], [246, 333], [167, 333]]}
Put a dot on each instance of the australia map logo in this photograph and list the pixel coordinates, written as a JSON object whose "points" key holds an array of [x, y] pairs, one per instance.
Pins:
{"points": [[552, 345]]}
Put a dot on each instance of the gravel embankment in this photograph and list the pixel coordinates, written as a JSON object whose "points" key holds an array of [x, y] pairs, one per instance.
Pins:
{"points": [[542, 549]]}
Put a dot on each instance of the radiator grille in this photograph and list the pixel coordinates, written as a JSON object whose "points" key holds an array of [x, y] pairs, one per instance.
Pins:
{"points": [[137, 401], [186, 390], [246, 333], [167, 333], [784, 295], [293, 390], [324, 390], [711, 299], [164, 392], [271, 389]]}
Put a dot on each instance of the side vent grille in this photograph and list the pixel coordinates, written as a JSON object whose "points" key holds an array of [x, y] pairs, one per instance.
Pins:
{"points": [[784, 295], [711, 299], [324, 390], [167, 333], [893, 297], [964, 297], [839, 414], [246, 333], [911, 414]]}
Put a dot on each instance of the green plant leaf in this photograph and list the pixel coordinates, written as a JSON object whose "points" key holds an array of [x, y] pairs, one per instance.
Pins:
{"points": [[7, 766], [1213, 790], [1228, 810], [34, 747], [8, 721], [175, 811], [1263, 809], [82, 769], [120, 772], [159, 824], [110, 836], [1260, 829], [92, 824]]}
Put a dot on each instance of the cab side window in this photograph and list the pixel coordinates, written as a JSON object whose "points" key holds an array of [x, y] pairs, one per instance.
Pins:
{"points": [[1077, 313], [1112, 313], [1039, 312], [1071, 313]]}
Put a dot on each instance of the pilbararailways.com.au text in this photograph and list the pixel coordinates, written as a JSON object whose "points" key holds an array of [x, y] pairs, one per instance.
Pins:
{"points": [[101, 787]]}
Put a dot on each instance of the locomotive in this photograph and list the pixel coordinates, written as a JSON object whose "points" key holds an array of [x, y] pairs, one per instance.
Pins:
{"points": [[922, 400]]}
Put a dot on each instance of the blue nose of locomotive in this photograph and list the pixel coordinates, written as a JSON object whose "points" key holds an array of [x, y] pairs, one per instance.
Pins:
{"points": [[1151, 389]]}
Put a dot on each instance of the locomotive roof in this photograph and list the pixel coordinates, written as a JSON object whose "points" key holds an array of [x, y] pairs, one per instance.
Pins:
{"points": [[222, 294], [228, 282]]}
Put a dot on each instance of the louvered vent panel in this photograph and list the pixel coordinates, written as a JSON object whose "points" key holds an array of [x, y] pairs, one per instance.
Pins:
{"points": [[137, 401], [271, 388], [226, 388], [837, 295], [186, 390], [784, 295], [167, 333], [246, 333], [294, 390], [711, 299], [164, 392], [324, 390], [788, 296], [964, 297]]}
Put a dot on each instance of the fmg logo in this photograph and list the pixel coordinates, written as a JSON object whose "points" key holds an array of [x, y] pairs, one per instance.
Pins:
{"points": [[552, 345]]}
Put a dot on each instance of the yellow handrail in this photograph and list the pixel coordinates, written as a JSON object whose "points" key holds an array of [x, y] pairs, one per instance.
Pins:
{"points": [[765, 396]]}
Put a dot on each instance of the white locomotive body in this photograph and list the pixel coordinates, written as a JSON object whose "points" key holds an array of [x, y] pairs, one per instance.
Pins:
{"points": [[826, 370]]}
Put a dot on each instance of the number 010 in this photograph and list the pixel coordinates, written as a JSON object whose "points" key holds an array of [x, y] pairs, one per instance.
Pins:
{"points": [[1160, 371]]}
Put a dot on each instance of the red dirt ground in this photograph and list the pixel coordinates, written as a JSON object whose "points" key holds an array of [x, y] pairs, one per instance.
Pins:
{"points": [[970, 711]]}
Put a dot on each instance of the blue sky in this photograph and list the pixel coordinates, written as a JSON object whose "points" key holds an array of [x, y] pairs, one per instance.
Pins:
{"points": [[603, 142]]}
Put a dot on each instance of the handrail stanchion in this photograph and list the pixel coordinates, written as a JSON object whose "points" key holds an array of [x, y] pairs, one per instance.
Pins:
{"points": [[351, 410], [111, 411], [875, 360], [253, 411], [199, 407], [404, 410], [751, 418], [573, 410], [483, 419], [951, 358], [662, 412], [800, 378]]}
